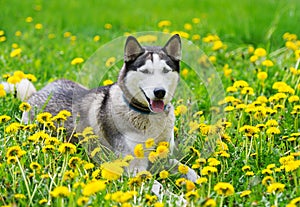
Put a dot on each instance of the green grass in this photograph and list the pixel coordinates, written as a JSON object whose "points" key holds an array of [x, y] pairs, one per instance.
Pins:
{"points": [[262, 138]]}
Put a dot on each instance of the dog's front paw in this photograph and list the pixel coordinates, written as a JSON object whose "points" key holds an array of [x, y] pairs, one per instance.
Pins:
{"points": [[192, 175]]}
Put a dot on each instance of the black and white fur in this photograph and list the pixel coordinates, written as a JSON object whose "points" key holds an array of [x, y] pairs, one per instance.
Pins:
{"points": [[128, 112]]}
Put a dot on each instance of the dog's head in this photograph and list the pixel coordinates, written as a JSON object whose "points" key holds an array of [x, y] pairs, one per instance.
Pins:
{"points": [[150, 75]]}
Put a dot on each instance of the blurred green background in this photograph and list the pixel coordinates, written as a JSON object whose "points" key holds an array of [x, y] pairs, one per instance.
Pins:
{"points": [[249, 21]]}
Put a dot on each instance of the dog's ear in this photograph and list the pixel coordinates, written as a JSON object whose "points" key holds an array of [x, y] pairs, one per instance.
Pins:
{"points": [[132, 49], [173, 47]]}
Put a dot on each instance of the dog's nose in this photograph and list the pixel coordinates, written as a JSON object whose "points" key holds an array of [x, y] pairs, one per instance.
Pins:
{"points": [[159, 92]]}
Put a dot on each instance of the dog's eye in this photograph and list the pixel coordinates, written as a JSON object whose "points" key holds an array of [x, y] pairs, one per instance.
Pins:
{"points": [[166, 70], [146, 71]]}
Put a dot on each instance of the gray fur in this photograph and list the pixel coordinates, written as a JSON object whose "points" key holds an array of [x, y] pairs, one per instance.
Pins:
{"points": [[119, 119]]}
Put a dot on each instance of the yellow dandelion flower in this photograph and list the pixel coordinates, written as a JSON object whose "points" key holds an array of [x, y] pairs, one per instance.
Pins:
{"points": [[245, 193], [201, 180], [110, 62], [69, 175], [275, 188], [93, 187], [250, 49], [240, 84], [188, 26], [268, 63], [43, 201], [35, 166], [31, 77], [153, 156], [180, 110], [60, 191], [44, 117], [297, 54], [262, 76], [196, 37], [147, 38], [96, 38], [189, 185], [74, 162], [246, 168], [111, 170], [159, 204], [19, 196], [38, 26], [196, 20], [164, 174], [295, 201], [67, 34], [223, 188], [108, 26], [4, 118], [217, 45], [28, 19], [25, 106], [213, 162], [162, 151], [185, 72], [95, 151], [139, 151], [247, 90], [183, 169], [67, 148], [149, 143], [228, 108], [15, 151], [273, 131], [210, 203], [107, 82], [81, 201], [267, 171], [164, 23], [49, 140], [2, 93], [253, 58], [212, 58], [181, 34], [73, 38], [2, 38], [267, 180], [48, 148], [88, 166], [260, 52], [51, 36], [207, 170], [249, 173], [293, 99], [144, 175], [12, 160], [18, 33], [77, 61], [15, 52], [292, 165]]}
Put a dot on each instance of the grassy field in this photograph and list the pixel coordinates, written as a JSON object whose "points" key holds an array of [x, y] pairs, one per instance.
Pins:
{"points": [[237, 106]]}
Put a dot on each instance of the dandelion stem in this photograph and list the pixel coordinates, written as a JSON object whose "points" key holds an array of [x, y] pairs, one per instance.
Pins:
{"points": [[209, 185], [222, 200], [25, 181]]}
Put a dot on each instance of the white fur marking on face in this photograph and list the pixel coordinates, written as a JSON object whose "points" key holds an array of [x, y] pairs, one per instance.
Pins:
{"points": [[150, 76]]}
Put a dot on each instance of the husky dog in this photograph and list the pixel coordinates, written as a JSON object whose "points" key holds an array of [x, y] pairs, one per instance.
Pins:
{"points": [[128, 112]]}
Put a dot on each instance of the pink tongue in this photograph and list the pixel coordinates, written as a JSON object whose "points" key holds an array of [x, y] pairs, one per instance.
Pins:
{"points": [[157, 106]]}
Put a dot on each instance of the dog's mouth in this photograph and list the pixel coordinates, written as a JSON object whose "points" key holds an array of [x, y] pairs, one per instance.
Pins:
{"points": [[156, 105]]}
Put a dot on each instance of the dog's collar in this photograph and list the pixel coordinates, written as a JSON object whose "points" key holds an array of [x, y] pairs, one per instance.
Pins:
{"points": [[134, 105]]}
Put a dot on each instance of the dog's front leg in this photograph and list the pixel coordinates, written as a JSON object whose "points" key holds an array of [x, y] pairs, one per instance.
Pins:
{"points": [[191, 174], [159, 191]]}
